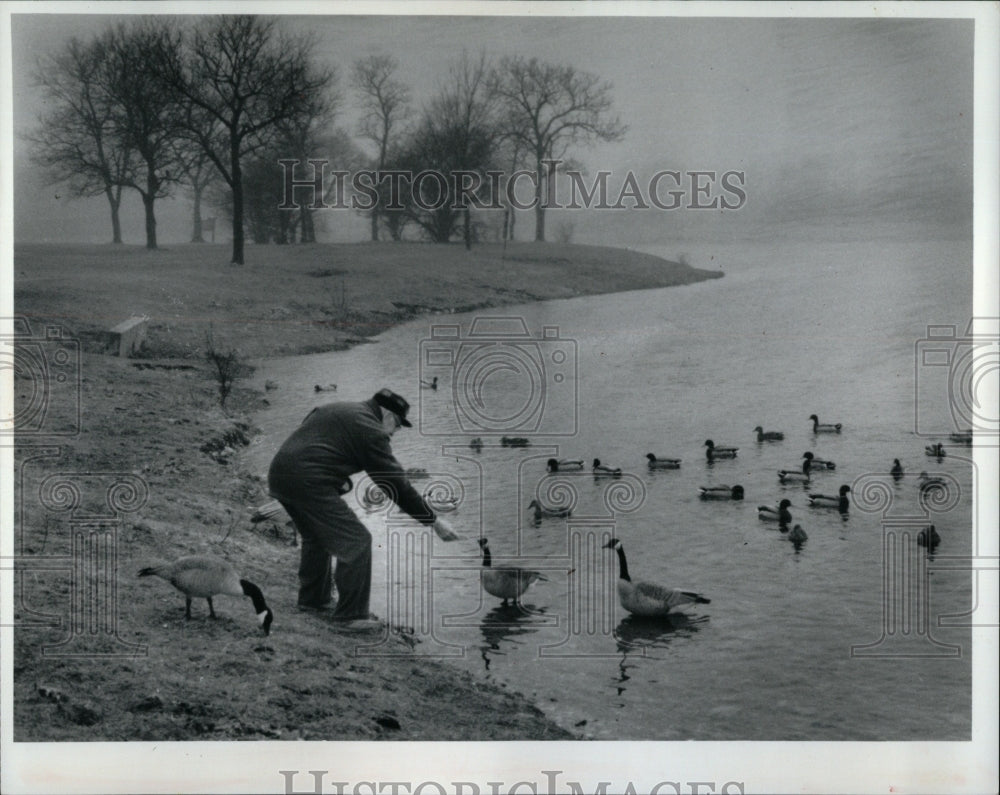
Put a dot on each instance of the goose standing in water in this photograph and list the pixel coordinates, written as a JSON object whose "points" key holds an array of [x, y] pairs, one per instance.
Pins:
{"points": [[712, 452], [820, 427], [563, 464], [663, 463], [768, 436], [795, 476], [781, 514], [203, 576], [841, 502], [647, 598], [506, 582], [721, 492], [602, 469]]}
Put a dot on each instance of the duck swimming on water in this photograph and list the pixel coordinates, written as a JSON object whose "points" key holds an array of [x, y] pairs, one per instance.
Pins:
{"points": [[819, 427], [841, 502], [563, 464], [721, 492], [781, 514], [796, 476], [663, 463], [712, 452], [603, 469], [768, 436], [541, 512]]}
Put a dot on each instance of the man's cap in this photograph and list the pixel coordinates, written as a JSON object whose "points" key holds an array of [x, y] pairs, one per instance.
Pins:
{"points": [[388, 399]]}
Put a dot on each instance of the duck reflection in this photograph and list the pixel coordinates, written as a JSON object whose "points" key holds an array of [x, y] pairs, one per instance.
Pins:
{"points": [[502, 625]]}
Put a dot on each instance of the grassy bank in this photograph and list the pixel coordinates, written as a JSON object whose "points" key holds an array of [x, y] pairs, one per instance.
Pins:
{"points": [[155, 421]]}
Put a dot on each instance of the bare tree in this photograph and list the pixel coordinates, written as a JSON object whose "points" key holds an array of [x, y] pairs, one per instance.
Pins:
{"points": [[385, 104], [145, 115], [549, 108], [244, 72], [457, 135], [76, 141]]}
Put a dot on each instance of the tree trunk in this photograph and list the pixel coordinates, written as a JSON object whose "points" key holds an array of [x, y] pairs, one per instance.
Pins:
{"points": [[375, 224], [237, 174], [147, 202], [196, 236], [467, 228], [539, 201], [116, 224]]}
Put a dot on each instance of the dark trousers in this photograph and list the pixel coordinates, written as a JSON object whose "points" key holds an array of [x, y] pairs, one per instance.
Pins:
{"points": [[328, 527]]}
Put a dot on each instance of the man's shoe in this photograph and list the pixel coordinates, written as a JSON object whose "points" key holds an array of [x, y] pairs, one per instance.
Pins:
{"points": [[360, 624]]}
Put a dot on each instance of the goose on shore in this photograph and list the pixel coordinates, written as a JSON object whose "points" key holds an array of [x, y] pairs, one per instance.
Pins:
{"points": [[820, 427], [647, 598], [505, 582], [203, 576], [663, 463], [603, 469], [797, 476], [543, 512], [563, 464], [721, 492], [768, 436], [781, 514], [841, 502], [712, 451]]}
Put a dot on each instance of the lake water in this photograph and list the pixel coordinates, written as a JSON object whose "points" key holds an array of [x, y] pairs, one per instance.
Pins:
{"points": [[797, 644]]}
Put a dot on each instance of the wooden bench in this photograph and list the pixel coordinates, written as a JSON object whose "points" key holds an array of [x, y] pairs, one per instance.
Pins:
{"points": [[129, 336]]}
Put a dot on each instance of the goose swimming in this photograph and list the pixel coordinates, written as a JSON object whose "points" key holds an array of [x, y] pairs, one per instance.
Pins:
{"points": [[647, 598]]}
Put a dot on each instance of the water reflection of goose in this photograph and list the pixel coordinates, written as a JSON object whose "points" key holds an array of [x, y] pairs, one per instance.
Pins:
{"points": [[501, 627]]}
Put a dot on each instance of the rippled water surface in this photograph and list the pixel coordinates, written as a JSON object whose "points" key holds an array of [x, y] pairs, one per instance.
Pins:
{"points": [[791, 330]]}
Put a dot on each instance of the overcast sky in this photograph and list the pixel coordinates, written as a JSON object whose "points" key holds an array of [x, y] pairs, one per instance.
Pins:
{"points": [[826, 117]]}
